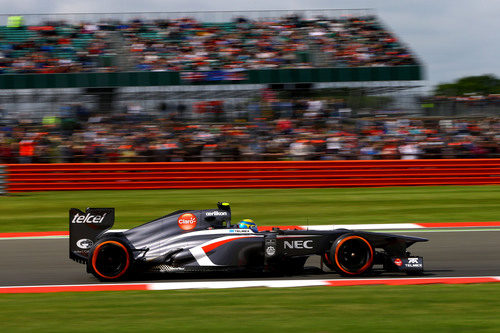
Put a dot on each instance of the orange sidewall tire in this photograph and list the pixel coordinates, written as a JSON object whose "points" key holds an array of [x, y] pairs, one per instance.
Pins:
{"points": [[365, 267], [96, 252]]}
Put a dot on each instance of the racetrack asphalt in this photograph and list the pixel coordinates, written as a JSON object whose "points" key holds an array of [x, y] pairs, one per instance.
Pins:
{"points": [[458, 252]]}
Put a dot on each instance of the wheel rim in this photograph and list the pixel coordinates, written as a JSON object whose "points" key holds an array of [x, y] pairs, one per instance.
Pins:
{"points": [[353, 255], [110, 259]]}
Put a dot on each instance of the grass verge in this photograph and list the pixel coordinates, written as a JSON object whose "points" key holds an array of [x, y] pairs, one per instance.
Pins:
{"points": [[432, 308], [48, 211]]}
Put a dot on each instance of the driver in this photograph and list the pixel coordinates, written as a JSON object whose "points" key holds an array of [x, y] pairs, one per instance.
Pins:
{"points": [[248, 224]]}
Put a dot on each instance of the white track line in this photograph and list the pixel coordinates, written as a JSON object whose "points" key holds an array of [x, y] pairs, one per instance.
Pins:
{"points": [[247, 284]]}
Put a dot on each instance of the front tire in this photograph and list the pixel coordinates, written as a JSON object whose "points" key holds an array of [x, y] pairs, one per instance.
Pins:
{"points": [[110, 259], [352, 255]]}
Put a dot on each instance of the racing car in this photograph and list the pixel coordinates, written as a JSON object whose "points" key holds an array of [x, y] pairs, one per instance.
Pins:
{"points": [[206, 241]]}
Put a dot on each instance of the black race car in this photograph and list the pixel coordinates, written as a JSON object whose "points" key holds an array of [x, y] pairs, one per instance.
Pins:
{"points": [[206, 241]]}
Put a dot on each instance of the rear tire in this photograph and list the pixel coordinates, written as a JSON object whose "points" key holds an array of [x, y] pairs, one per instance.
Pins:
{"points": [[351, 255], [110, 259]]}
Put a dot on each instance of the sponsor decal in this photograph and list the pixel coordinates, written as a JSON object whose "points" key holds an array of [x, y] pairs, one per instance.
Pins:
{"points": [[398, 262], [220, 75], [84, 243], [414, 263], [187, 221], [88, 218], [270, 251], [298, 244], [216, 213], [240, 231]]}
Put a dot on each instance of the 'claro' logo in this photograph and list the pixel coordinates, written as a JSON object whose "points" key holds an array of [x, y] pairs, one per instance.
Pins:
{"points": [[187, 221]]}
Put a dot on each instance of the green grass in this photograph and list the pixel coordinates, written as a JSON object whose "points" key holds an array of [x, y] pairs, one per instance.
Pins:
{"points": [[48, 211], [432, 308]]}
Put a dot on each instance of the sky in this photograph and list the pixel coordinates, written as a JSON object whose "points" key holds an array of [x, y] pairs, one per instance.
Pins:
{"points": [[453, 38]]}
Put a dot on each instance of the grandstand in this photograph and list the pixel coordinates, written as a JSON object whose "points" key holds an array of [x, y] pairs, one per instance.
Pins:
{"points": [[218, 86], [109, 58], [185, 43]]}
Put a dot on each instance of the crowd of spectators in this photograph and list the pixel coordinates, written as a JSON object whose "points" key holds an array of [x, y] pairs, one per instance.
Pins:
{"points": [[55, 47], [289, 42], [187, 44], [311, 133]]}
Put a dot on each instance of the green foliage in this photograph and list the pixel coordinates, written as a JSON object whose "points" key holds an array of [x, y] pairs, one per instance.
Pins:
{"points": [[481, 85]]}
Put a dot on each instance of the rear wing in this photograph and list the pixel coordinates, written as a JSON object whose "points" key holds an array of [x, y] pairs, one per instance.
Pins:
{"points": [[84, 227]]}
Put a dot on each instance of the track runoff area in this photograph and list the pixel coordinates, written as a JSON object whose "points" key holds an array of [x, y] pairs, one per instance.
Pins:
{"points": [[457, 253]]}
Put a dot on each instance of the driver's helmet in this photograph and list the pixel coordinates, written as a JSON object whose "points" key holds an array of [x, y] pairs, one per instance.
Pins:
{"points": [[247, 224]]}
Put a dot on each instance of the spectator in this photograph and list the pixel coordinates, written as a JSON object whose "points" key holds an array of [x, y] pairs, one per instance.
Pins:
{"points": [[409, 151]]}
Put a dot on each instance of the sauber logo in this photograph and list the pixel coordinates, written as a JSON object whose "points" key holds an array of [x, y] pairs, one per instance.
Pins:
{"points": [[88, 218], [298, 244], [187, 221]]}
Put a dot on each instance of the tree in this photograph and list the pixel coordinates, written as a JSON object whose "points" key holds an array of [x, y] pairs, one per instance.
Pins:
{"points": [[481, 85]]}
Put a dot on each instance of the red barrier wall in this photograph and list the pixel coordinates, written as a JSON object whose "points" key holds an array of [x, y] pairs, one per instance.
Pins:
{"points": [[273, 174]]}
